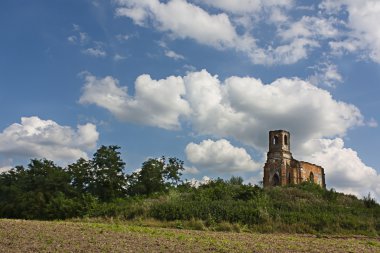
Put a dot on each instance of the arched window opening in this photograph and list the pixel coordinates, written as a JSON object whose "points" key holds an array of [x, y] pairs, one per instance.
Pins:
{"points": [[289, 178], [311, 177], [276, 180], [286, 139], [275, 140]]}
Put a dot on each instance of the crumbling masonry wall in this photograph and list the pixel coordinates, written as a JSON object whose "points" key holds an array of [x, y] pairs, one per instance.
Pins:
{"points": [[282, 169], [313, 173]]}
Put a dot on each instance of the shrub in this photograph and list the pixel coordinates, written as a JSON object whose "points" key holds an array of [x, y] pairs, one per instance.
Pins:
{"points": [[369, 202]]}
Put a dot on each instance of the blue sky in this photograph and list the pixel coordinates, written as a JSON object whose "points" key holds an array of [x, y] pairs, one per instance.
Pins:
{"points": [[200, 80]]}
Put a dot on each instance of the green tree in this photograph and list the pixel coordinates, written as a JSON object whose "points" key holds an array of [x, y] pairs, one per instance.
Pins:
{"points": [[10, 190], [236, 180], [30, 193], [81, 175], [155, 176], [173, 170], [107, 177]]}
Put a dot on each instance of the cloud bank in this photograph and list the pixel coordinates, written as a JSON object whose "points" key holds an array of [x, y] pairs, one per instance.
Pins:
{"points": [[37, 138], [243, 109], [224, 24], [220, 156]]}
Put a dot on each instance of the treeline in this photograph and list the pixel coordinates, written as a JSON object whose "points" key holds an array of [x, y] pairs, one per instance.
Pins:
{"points": [[44, 190], [99, 188]]}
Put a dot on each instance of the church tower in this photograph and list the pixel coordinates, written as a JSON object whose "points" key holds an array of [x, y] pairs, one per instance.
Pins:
{"points": [[279, 144], [277, 169]]}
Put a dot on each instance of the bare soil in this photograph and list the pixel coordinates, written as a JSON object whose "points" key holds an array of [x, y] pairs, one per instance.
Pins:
{"points": [[59, 236]]}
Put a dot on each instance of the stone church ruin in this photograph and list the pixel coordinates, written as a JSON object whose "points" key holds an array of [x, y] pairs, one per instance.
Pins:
{"points": [[282, 169]]}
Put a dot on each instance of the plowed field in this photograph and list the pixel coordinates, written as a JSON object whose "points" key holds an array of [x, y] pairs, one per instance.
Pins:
{"points": [[44, 236]]}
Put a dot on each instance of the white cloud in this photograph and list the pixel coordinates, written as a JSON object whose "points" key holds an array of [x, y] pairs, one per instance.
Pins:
{"points": [[190, 170], [170, 53], [72, 39], [5, 169], [363, 19], [343, 168], [290, 53], [247, 6], [174, 55], [196, 183], [119, 57], [37, 138], [326, 74], [156, 103], [95, 51], [220, 156], [298, 39], [189, 68], [181, 19], [235, 24], [123, 37], [310, 27], [242, 108], [245, 109], [83, 37], [79, 36]]}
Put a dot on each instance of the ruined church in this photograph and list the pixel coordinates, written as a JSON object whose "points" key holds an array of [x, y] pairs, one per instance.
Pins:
{"points": [[282, 169]]}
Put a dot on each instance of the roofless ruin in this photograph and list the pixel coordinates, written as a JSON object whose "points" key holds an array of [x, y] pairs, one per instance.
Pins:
{"points": [[282, 169]]}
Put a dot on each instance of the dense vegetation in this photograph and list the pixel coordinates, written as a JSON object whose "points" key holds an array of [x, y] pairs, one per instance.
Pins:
{"points": [[99, 188]]}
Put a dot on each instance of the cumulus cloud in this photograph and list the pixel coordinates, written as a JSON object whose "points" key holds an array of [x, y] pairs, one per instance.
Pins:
{"points": [[220, 156], [196, 183], [37, 138], [243, 108], [343, 168], [155, 103], [5, 168]]}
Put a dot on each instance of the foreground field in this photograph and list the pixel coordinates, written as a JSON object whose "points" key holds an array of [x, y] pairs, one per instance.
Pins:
{"points": [[41, 236]]}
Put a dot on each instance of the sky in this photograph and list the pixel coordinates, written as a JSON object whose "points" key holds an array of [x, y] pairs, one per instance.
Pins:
{"points": [[200, 80]]}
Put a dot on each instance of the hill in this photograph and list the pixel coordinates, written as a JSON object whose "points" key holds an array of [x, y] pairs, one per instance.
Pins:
{"points": [[99, 188]]}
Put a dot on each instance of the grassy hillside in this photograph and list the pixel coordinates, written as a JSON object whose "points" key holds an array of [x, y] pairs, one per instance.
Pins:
{"points": [[90, 189], [99, 188], [221, 205], [50, 236]]}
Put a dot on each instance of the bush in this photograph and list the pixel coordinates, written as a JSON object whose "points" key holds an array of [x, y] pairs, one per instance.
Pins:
{"points": [[369, 202]]}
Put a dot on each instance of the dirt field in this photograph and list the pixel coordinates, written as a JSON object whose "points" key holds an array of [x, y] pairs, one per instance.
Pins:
{"points": [[40, 236]]}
